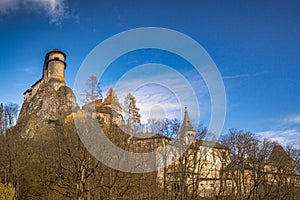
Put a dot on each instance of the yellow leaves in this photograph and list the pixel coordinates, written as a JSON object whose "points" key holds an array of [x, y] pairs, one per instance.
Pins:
{"points": [[69, 118], [7, 192], [80, 114], [106, 128]]}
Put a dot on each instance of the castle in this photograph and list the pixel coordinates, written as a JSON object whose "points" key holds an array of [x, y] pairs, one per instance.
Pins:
{"points": [[53, 71], [205, 169], [54, 75]]}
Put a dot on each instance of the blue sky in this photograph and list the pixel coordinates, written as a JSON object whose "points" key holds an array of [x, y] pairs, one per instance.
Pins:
{"points": [[254, 44]]}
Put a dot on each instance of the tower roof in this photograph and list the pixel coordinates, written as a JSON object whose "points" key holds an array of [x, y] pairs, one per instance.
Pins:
{"points": [[55, 50], [186, 124], [279, 157]]}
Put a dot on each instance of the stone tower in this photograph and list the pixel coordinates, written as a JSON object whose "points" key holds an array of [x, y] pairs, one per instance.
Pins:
{"points": [[187, 132], [53, 72], [54, 66]]}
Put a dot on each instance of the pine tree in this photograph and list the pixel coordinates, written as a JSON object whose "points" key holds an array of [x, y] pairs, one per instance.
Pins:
{"points": [[132, 115]]}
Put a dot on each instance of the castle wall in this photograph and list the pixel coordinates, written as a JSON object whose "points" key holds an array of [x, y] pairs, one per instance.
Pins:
{"points": [[199, 163], [31, 92]]}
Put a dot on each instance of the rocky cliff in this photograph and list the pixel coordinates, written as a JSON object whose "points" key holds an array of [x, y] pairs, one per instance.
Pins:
{"points": [[47, 106]]}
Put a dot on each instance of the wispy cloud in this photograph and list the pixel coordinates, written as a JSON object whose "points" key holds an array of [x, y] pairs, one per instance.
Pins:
{"points": [[28, 70], [7, 6], [237, 76], [286, 130], [290, 136], [156, 101], [55, 10], [295, 119], [162, 90]]}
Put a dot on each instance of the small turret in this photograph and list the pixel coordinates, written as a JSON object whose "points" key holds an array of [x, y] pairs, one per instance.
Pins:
{"points": [[55, 65]]}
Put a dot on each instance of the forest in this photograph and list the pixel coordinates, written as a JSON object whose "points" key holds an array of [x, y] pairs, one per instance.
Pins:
{"points": [[54, 164]]}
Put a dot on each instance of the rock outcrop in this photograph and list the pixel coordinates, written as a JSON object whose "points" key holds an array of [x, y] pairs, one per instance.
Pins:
{"points": [[45, 107]]}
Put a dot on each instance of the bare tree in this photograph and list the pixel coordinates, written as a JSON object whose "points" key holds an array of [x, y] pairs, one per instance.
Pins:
{"points": [[294, 153], [93, 90], [74, 168], [11, 113], [166, 127], [261, 169], [8, 116], [2, 120]]}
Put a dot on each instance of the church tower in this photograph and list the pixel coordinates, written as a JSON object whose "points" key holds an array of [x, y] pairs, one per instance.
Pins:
{"points": [[187, 132], [54, 66]]}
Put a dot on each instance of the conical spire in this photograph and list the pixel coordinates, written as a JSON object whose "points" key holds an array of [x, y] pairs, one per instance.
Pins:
{"points": [[186, 124], [279, 157]]}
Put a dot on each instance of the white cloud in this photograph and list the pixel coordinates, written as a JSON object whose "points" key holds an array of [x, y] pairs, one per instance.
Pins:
{"points": [[286, 130], [235, 76], [292, 119], [7, 6], [29, 70], [162, 90], [157, 102], [56, 10], [290, 136]]}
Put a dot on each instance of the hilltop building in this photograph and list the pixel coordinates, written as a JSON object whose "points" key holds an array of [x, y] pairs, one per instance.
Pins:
{"points": [[204, 159], [48, 99], [198, 172], [203, 169], [53, 71]]}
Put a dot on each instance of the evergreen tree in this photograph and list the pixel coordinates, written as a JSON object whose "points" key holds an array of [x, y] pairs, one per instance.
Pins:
{"points": [[132, 115]]}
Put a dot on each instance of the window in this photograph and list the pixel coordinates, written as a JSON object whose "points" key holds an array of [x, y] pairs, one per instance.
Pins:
{"points": [[175, 187]]}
